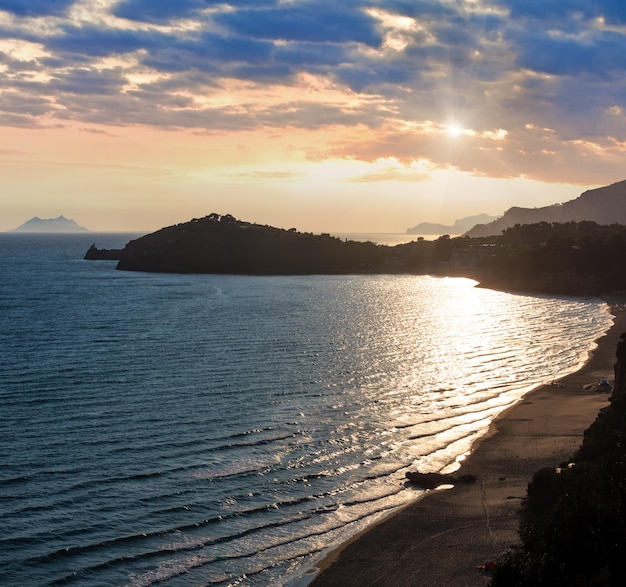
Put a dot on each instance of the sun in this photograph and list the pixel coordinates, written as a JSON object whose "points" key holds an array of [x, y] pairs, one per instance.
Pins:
{"points": [[454, 130]]}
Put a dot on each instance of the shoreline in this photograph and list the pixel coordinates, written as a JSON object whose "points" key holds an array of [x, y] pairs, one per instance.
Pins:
{"points": [[444, 537]]}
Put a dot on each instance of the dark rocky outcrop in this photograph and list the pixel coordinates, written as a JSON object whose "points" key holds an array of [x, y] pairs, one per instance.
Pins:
{"points": [[96, 254], [434, 480]]}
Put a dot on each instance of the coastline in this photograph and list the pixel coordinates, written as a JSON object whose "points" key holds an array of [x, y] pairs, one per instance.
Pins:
{"points": [[444, 537]]}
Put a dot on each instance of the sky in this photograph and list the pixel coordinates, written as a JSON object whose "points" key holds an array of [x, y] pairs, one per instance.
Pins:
{"points": [[323, 115]]}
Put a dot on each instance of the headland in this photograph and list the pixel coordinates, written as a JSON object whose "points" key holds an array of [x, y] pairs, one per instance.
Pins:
{"points": [[574, 258]]}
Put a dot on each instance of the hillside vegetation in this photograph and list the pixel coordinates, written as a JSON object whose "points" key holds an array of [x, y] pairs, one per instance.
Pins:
{"points": [[573, 258], [604, 205], [573, 526]]}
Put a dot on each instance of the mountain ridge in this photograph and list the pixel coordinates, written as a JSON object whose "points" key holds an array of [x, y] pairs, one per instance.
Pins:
{"points": [[604, 205], [459, 227], [58, 224]]}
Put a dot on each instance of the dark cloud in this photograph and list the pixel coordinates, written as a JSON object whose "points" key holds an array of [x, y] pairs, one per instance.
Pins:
{"points": [[159, 11], [17, 120], [317, 22], [88, 82], [24, 104], [431, 9], [613, 11], [549, 8], [91, 41], [36, 7], [22, 109], [312, 55], [361, 78], [570, 56], [215, 55], [303, 114], [455, 32]]}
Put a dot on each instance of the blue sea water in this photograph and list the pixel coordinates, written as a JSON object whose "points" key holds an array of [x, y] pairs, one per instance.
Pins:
{"points": [[185, 430]]}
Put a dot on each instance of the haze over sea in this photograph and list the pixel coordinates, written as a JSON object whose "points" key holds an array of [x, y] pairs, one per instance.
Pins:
{"points": [[186, 430]]}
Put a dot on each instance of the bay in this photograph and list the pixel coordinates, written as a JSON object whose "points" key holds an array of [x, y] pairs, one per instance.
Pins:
{"points": [[225, 430]]}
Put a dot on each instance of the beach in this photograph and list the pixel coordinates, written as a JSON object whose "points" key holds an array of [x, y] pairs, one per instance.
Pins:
{"points": [[445, 538]]}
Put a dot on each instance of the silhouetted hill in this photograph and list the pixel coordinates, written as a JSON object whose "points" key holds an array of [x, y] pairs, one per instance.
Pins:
{"points": [[222, 244], [59, 224], [572, 258], [459, 227], [605, 205]]}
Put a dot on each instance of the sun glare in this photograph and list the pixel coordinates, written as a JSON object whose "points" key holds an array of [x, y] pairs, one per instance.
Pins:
{"points": [[454, 131]]}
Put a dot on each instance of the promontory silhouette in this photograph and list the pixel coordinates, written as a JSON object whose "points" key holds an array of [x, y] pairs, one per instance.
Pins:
{"points": [[222, 244], [572, 258]]}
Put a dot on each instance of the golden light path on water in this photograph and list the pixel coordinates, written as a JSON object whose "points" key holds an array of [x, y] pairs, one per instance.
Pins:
{"points": [[455, 356]]}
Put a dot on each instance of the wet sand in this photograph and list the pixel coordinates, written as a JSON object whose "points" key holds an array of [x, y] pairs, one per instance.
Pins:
{"points": [[442, 539]]}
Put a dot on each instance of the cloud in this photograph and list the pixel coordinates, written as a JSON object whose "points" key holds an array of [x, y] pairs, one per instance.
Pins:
{"points": [[263, 176], [88, 82], [36, 7], [88, 41], [319, 21], [20, 104], [601, 57], [159, 11], [399, 71], [612, 11], [431, 9], [215, 53]]}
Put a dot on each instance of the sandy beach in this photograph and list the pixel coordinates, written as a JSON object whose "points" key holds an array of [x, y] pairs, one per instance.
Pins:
{"points": [[442, 539]]}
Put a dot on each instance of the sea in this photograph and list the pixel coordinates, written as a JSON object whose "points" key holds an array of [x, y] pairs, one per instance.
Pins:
{"points": [[227, 430]]}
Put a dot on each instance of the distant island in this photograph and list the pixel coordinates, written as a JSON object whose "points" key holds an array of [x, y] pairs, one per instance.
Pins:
{"points": [[59, 224], [459, 227]]}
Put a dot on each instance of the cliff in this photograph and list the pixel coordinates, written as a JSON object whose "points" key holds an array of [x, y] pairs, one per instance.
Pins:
{"points": [[605, 205], [96, 254]]}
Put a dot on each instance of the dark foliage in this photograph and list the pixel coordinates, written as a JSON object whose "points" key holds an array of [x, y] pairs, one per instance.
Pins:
{"points": [[573, 525], [222, 244], [574, 258]]}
